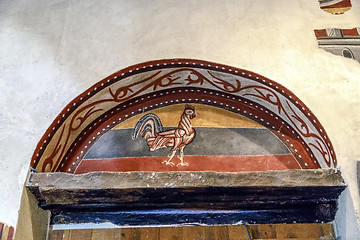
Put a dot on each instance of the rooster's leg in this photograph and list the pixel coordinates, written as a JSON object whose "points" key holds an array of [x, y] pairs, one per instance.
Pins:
{"points": [[168, 162], [182, 163]]}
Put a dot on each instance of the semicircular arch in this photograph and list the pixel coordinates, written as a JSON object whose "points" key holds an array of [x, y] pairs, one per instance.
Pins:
{"points": [[155, 84]]}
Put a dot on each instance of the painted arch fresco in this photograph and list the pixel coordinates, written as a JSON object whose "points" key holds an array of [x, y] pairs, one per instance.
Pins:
{"points": [[184, 115], [220, 141]]}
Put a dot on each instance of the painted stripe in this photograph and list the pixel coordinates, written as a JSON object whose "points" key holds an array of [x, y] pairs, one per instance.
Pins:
{"points": [[196, 163], [5, 232], [336, 10], [209, 116], [208, 141], [10, 234], [329, 3], [350, 32], [336, 4], [1, 230], [320, 33]]}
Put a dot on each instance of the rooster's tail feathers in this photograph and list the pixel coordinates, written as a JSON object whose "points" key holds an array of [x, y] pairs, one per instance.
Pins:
{"points": [[147, 126]]}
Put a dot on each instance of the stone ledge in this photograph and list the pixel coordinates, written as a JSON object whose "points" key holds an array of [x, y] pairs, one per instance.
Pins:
{"points": [[126, 180], [256, 197]]}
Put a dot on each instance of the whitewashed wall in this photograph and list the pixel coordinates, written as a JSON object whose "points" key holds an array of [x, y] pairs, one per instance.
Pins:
{"points": [[50, 51]]}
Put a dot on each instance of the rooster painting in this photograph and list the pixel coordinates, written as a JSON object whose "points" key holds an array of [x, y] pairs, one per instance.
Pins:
{"points": [[150, 128]]}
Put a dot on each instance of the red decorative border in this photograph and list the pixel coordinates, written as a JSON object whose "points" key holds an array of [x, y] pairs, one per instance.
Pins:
{"points": [[345, 33], [219, 163], [128, 102]]}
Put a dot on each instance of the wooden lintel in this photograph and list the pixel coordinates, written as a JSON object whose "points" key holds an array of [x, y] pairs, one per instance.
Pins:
{"points": [[292, 195]]}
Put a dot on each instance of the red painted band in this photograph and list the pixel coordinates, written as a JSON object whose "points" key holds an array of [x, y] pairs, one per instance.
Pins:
{"points": [[196, 163]]}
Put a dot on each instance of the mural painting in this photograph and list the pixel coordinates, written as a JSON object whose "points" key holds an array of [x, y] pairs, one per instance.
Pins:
{"points": [[6, 232], [148, 87], [335, 6], [150, 128], [186, 137], [342, 42]]}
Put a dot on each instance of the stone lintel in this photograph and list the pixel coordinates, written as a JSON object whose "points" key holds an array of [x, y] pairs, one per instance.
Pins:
{"points": [[312, 193], [127, 180]]}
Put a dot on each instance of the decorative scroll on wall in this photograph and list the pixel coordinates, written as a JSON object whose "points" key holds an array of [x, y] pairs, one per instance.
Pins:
{"points": [[151, 85]]}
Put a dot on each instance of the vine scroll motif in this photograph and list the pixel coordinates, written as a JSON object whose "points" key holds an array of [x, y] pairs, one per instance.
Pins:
{"points": [[297, 122], [157, 81], [170, 80]]}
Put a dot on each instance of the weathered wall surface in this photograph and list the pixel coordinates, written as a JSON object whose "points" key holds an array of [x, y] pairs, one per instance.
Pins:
{"points": [[53, 50]]}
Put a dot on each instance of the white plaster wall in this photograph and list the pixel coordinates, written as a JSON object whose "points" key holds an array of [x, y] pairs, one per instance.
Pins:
{"points": [[50, 51]]}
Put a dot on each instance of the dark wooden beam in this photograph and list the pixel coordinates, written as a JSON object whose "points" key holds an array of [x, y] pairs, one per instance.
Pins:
{"points": [[135, 198]]}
